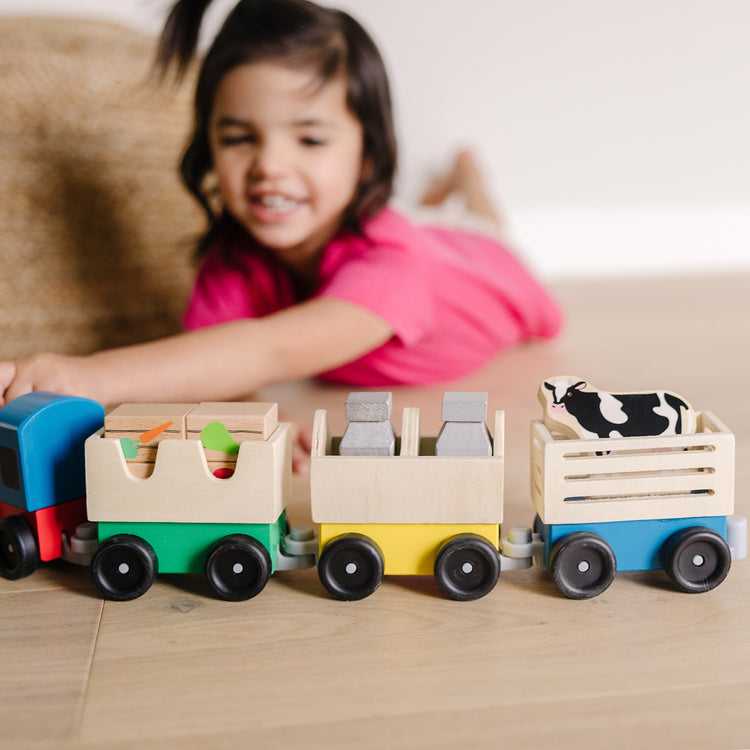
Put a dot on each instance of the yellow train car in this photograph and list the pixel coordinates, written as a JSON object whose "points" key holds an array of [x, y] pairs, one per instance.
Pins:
{"points": [[412, 513]]}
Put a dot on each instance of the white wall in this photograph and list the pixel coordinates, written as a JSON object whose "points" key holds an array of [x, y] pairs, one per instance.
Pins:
{"points": [[615, 134]]}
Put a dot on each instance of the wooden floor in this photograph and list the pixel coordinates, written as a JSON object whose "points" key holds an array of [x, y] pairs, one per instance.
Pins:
{"points": [[640, 666]]}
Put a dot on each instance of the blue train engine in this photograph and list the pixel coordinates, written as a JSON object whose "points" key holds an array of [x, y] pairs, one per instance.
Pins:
{"points": [[43, 482]]}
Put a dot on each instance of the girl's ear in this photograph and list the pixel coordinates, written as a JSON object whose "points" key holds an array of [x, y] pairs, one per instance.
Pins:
{"points": [[368, 167], [211, 192]]}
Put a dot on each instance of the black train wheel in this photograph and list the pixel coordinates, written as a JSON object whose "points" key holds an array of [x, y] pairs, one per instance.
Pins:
{"points": [[351, 567], [582, 565], [698, 560], [19, 554], [467, 567], [238, 567], [124, 567]]}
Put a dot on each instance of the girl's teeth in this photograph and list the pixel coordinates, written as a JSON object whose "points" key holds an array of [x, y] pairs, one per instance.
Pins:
{"points": [[278, 202]]}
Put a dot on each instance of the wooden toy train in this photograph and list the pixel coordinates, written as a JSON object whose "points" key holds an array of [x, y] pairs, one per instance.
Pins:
{"points": [[186, 488]]}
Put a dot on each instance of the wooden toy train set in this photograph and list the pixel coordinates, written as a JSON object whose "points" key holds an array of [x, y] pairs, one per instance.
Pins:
{"points": [[619, 482]]}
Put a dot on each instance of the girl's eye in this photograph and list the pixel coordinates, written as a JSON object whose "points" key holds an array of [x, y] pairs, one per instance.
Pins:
{"points": [[235, 140], [311, 141]]}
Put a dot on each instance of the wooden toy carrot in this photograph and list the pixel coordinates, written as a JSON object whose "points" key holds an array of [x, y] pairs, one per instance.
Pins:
{"points": [[130, 446], [155, 432]]}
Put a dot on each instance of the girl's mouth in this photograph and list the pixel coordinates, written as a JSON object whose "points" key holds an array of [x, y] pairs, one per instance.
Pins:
{"points": [[273, 206], [278, 203]]}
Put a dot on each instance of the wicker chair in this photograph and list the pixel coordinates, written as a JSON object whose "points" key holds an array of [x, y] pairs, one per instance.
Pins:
{"points": [[96, 233]]}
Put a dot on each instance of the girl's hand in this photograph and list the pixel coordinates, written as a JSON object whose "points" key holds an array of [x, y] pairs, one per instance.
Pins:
{"points": [[72, 376], [301, 446]]}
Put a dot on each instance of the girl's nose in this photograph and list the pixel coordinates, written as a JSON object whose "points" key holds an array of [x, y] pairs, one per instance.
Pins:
{"points": [[270, 160]]}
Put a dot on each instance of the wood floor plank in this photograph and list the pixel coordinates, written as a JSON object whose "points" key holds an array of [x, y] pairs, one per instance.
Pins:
{"points": [[175, 664], [47, 640]]}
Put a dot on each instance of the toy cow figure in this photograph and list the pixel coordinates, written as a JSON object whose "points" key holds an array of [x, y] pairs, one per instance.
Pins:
{"points": [[577, 410]]}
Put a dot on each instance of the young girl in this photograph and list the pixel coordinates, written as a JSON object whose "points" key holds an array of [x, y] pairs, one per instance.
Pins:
{"points": [[304, 270]]}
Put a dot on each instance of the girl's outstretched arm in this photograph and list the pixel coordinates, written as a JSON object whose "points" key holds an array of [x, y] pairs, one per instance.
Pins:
{"points": [[221, 363]]}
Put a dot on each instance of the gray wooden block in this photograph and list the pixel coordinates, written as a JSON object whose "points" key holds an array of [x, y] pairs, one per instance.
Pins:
{"points": [[368, 439], [464, 439], [366, 406], [461, 406]]}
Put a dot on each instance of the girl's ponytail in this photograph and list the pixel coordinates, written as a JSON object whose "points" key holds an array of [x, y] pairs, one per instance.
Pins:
{"points": [[179, 37]]}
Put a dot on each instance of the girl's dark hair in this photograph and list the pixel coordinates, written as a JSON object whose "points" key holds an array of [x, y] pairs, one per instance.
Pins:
{"points": [[299, 33]]}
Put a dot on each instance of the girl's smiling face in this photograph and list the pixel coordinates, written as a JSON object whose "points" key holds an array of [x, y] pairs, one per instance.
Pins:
{"points": [[288, 157]]}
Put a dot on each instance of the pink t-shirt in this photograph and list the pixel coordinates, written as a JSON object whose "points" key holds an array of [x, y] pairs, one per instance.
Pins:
{"points": [[453, 299]]}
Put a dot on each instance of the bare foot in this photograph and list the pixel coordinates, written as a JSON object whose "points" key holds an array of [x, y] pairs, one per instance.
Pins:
{"points": [[464, 179]]}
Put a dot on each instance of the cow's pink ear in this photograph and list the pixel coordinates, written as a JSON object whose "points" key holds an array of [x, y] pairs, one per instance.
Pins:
{"points": [[580, 385]]}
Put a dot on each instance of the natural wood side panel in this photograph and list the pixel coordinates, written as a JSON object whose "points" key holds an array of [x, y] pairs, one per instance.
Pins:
{"points": [[182, 489], [537, 439], [410, 488], [711, 457], [321, 441], [141, 469], [709, 422], [406, 489], [620, 508], [410, 432], [498, 437], [635, 478]]}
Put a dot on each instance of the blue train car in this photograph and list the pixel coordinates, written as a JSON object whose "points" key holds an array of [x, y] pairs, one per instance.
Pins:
{"points": [[636, 503], [696, 553], [42, 476]]}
